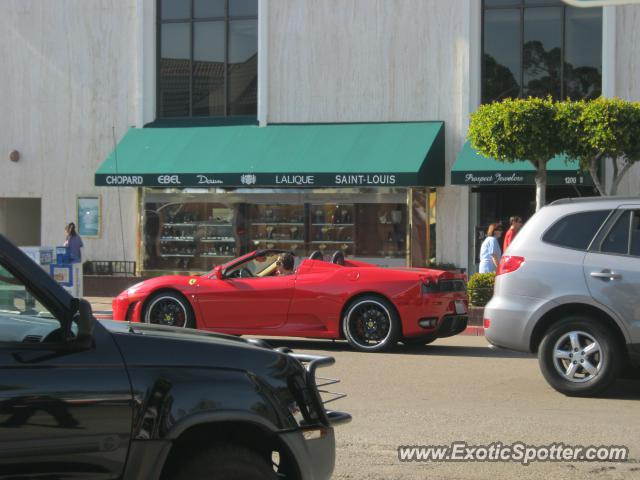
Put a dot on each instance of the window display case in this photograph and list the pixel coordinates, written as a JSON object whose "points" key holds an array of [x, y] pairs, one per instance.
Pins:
{"points": [[191, 236], [194, 232], [382, 230], [332, 227], [278, 226]]}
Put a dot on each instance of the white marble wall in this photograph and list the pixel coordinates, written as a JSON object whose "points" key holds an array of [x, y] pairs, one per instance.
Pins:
{"points": [[69, 77], [627, 75], [377, 61]]}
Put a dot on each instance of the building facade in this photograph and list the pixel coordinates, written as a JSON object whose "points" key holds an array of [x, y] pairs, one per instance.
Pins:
{"points": [[85, 78]]}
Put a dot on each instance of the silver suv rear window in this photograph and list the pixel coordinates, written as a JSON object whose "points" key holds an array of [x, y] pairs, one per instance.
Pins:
{"points": [[576, 230]]}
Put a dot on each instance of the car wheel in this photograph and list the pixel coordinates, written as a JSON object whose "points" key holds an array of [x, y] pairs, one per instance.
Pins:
{"points": [[371, 324], [579, 357], [226, 462], [169, 308], [424, 340]]}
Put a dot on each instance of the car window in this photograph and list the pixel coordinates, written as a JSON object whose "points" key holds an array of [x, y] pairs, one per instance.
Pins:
{"points": [[617, 240], [22, 317], [254, 267], [635, 234], [576, 230]]}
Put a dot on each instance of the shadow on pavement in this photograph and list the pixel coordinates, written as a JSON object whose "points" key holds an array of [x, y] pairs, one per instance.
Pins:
{"points": [[433, 349]]}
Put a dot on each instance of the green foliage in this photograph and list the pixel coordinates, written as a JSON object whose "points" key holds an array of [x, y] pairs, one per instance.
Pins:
{"points": [[539, 129], [601, 128], [480, 288], [517, 129]]}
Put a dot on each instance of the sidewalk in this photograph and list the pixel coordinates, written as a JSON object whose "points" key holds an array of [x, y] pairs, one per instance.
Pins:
{"points": [[102, 310], [101, 306]]}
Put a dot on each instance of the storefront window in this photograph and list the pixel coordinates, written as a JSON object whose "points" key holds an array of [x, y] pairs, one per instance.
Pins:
{"points": [[539, 48], [185, 231], [208, 58]]}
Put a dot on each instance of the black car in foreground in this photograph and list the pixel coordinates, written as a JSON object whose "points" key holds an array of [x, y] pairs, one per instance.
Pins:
{"points": [[82, 399]]}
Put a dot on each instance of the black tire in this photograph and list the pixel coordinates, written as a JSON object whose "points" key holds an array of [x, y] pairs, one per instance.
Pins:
{"points": [[425, 340], [226, 462], [588, 369], [170, 309], [382, 330]]}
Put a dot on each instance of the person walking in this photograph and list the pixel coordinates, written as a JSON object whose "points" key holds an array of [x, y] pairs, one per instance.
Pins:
{"points": [[490, 251], [516, 225], [73, 243]]}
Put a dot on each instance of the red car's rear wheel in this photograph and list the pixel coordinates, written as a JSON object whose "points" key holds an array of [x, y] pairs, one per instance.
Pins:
{"points": [[371, 324], [168, 308]]}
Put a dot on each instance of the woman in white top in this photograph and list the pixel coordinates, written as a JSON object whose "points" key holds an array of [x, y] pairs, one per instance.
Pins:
{"points": [[490, 251]]}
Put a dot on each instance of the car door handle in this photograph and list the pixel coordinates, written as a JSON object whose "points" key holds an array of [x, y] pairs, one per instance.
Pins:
{"points": [[607, 275]]}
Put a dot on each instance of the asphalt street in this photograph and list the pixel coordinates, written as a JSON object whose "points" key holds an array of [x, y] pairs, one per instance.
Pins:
{"points": [[458, 389]]}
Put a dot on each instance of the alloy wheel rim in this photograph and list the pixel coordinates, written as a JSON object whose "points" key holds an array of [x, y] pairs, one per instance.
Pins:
{"points": [[369, 324], [167, 311], [577, 357]]}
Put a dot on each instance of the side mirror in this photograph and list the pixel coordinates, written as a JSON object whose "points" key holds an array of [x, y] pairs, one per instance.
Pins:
{"points": [[86, 323], [217, 272]]}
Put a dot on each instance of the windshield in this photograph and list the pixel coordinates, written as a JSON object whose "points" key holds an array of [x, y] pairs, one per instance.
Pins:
{"points": [[259, 266], [22, 317]]}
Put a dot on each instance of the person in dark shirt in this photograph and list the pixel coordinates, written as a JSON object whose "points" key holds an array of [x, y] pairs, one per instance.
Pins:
{"points": [[73, 243]]}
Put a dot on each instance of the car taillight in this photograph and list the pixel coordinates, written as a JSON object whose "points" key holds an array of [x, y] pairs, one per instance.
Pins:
{"points": [[509, 263], [487, 323]]}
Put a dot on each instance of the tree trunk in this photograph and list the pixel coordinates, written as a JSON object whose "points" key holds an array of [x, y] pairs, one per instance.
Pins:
{"points": [[593, 171], [620, 175], [541, 185]]}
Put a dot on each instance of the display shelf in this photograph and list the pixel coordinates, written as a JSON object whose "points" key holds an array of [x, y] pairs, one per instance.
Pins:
{"points": [[180, 224], [177, 239], [206, 255], [268, 240], [218, 240], [176, 255], [336, 225], [216, 225], [333, 242], [280, 224]]}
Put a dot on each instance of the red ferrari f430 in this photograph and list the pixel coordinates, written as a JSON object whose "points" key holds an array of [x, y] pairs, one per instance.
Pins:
{"points": [[371, 307]]}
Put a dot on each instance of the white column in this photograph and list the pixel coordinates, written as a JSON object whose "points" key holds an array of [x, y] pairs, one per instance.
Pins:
{"points": [[145, 89], [474, 101], [608, 69], [263, 62], [609, 52]]}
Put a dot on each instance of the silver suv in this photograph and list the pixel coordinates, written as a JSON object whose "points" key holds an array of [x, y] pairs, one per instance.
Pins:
{"points": [[568, 288]]}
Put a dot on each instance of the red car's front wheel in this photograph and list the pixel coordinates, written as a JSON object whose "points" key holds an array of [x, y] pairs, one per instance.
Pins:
{"points": [[371, 324], [168, 308]]}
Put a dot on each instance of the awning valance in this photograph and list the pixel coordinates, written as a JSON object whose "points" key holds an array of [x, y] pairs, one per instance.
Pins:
{"points": [[471, 168], [303, 155]]}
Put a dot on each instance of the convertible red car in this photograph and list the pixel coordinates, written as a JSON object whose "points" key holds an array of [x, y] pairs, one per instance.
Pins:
{"points": [[371, 307]]}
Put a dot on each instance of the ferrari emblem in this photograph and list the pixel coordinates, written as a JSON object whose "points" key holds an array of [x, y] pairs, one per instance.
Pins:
{"points": [[192, 281]]}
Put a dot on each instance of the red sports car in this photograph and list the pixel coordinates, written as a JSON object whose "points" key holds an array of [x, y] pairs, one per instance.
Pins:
{"points": [[371, 307]]}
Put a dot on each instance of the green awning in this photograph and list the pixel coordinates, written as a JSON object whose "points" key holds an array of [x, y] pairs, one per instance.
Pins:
{"points": [[471, 168], [304, 155]]}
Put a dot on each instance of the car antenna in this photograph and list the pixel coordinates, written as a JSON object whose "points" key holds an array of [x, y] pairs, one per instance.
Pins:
{"points": [[115, 155]]}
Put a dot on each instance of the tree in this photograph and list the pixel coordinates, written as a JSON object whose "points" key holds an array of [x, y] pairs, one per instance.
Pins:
{"points": [[602, 128], [518, 129]]}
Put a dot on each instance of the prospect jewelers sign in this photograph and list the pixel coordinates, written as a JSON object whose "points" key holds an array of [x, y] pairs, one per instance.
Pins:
{"points": [[190, 180], [518, 178]]}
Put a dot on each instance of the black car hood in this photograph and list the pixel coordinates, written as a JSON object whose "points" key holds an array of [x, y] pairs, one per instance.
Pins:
{"points": [[178, 333], [144, 345]]}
